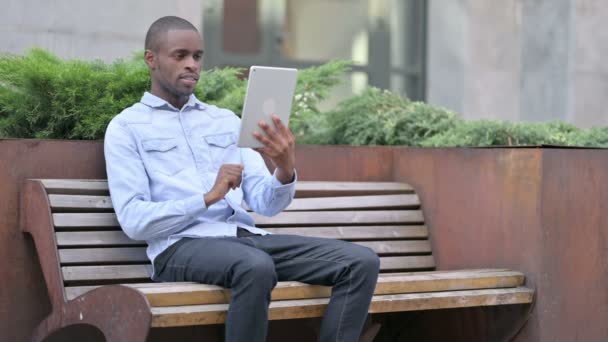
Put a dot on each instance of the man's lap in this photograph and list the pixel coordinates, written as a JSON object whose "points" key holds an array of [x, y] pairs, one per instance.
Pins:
{"points": [[294, 257]]}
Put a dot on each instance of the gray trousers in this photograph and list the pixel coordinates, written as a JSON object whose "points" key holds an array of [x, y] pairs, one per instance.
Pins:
{"points": [[250, 265]]}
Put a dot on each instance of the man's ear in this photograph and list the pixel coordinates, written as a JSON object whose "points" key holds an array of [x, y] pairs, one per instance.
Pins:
{"points": [[150, 58]]}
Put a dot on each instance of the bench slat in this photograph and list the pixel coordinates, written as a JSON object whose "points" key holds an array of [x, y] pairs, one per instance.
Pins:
{"points": [[112, 272], [328, 189], [340, 218], [104, 203], [424, 262], [79, 202], [102, 255], [76, 186], [95, 238], [171, 294], [308, 308], [138, 254], [88, 220], [118, 237], [117, 273], [303, 188], [357, 232], [355, 202], [85, 220]]}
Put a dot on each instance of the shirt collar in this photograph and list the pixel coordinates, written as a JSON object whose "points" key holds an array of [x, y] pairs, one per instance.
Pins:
{"points": [[154, 101]]}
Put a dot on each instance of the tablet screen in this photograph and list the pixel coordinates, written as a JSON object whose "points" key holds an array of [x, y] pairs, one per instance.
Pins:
{"points": [[269, 91]]}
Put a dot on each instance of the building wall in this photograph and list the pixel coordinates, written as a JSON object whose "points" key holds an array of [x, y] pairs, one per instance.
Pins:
{"points": [[521, 60], [590, 71], [103, 30]]}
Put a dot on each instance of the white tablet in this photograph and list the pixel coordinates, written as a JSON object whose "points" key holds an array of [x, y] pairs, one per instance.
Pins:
{"points": [[269, 91]]}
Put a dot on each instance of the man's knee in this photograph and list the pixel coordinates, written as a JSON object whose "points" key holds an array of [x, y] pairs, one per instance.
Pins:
{"points": [[258, 268], [366, 260]]}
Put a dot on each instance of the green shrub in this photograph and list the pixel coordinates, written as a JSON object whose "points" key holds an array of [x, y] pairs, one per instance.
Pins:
{"points": [[379, 117], [42, 96], [500, 133]]}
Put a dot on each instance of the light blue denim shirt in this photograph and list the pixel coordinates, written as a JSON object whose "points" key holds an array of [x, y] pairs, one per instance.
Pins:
{"points": [[161, 161]]}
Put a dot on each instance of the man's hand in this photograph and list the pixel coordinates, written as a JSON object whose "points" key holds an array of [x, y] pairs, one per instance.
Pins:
{"points": [[279, 146], [228, 177]]}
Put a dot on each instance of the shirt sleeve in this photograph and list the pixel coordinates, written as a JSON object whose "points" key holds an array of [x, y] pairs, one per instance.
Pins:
{"points": [[139, 217], [263, 192]]}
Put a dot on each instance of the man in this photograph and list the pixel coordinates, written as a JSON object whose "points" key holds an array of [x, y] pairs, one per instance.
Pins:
{"points": [[177, 181]]}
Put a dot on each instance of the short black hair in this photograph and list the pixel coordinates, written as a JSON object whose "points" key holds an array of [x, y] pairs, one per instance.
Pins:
{"points": [[162, 26]]}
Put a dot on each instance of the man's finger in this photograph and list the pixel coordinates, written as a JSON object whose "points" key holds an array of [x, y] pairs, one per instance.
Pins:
{"points": [[280, 125], [264, 140], [270, 132]]}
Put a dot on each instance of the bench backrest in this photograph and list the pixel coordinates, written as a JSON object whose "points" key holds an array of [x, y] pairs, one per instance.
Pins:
{"points": [[93, 250]]}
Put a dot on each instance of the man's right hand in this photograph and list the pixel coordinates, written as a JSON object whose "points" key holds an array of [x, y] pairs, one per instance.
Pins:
{"points": [[228, 177]]}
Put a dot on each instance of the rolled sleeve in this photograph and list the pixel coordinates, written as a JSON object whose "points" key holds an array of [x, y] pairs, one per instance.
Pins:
{"points": [[284, 190]]}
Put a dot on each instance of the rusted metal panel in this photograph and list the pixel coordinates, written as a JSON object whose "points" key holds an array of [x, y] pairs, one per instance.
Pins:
{"points": [[482, 207], [574, 253], [343, 163], [539, 211], [23, 297]]}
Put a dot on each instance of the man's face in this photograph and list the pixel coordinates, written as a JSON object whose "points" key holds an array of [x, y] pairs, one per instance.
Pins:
{"points": [[176, 66]]}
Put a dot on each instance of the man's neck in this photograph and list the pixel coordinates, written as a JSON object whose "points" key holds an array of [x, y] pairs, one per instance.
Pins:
{"points": [[176, 101]]}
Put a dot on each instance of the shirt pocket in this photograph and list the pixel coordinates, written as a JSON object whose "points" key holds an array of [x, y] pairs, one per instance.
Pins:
{"points": [[163, 156], [223, 149]]}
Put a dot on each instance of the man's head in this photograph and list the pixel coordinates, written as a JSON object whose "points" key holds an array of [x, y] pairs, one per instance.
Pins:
{"points": [[173, 54]]}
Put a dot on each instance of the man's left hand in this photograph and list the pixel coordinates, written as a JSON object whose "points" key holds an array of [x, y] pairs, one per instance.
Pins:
{"points": [[279, 147]]}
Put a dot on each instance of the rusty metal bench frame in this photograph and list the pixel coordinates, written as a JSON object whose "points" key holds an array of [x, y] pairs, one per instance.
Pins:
{"points": [[124, 309]]}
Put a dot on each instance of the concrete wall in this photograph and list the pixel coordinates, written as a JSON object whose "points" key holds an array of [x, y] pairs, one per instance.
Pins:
{"points": [[521, 60], [86, 29]]}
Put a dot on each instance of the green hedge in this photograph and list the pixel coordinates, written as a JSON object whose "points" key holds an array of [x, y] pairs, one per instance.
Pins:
{"points": [[43, 96]]}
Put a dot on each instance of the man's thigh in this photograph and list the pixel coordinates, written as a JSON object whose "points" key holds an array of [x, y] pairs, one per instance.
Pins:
{"points": [[312, 260], [209, 260]]}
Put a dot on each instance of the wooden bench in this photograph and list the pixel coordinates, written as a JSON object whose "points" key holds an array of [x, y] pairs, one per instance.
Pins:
{"points": [[96, 275]]}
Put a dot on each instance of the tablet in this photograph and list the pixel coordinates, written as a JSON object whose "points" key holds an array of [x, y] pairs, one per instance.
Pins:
{"points": [[269, 91]]}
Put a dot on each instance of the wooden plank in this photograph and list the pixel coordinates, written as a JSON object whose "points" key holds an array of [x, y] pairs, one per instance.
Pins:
{"points": [[298, 218], [88, 220], [95, 238], [85, 220], [196, 294], [355, 202], [328, 189], [192, 293], [171, 294], [113, 272], [410, 282], [80, 202], [187, 293], [303, 188], [138, 254], [407, 263], [440, 274], [104, 203], [356, 232], [119, 238], [102, 255], [397, 246], [76, 186], [120, 272], [308, 308]]}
